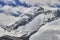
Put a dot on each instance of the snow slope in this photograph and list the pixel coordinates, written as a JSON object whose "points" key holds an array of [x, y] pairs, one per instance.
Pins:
{"points": [[50, 31], [6, 19]]}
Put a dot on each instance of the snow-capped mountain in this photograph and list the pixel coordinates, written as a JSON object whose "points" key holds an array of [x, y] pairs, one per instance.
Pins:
{"points": [[30, 21]]}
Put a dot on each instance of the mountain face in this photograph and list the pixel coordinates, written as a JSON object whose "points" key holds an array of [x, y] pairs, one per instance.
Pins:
{"points": [[50, 31], [28, 23], [29, 19]]}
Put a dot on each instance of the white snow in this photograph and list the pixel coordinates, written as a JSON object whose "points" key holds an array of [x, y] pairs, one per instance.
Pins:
{"points": [[6, 20], [47, 3], [49, 31], [41, 17], [38, 19]]}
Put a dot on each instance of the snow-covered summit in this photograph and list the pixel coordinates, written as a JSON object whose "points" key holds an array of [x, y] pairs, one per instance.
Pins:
{"points": [[50, 31], [28, 21]]}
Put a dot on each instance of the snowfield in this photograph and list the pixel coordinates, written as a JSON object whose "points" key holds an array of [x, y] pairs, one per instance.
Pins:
{"points": [[6, 20], [50, 31]]}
